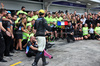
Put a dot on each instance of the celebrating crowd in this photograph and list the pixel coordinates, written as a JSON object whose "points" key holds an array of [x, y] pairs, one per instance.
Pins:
{"points": [[18, 31]]}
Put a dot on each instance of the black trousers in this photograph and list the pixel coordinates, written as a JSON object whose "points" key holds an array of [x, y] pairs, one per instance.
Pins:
{"points": [[7, 45], [2, 46], [11, 46], [38, 56], [92, 36], [31, 53], [24, 42], [70, 37]]}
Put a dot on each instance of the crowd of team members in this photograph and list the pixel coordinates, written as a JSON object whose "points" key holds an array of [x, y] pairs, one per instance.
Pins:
{"points": [[21, 27], [79, 27]]}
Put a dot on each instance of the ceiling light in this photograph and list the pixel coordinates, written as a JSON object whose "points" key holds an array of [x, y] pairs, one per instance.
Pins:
{"points": [[78, 2], [98, 1], [88, 4]]}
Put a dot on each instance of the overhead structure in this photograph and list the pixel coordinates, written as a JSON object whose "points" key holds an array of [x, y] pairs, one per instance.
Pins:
{"points": [[46, 4], [88, 4]]}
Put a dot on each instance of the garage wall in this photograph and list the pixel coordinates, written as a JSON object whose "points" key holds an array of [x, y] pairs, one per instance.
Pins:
{"points": [[94, 11], [64, 8], [16, 5], [79, 10]]}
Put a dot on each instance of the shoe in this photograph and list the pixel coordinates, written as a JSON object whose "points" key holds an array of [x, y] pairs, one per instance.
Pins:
{"points": [[62, 38], [52, 57], [50, 44], [8, 55], [34, 64], [22, 50], [56, 39], [12, 51], [3, 60], [17, 49], [68, 41], [46, 63]]}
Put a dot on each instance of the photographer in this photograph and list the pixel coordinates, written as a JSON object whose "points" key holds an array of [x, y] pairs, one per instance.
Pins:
{"points": [[41, 26]]}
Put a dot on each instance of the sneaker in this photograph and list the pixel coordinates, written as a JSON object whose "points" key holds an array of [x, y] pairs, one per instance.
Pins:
{"points": [[12, 51], [62, 38], [46, 63], [3, 60], [50, 44], [34, 64], [22, 50], [9, 55]]}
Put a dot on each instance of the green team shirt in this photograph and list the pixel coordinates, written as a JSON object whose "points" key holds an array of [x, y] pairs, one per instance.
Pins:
{"points": [[53, 20], [48, 19], [97, 30], [3, 17], [32, 34], [25, 36], [59, 19], [17, 20], [85, 31], [21, 12], [29, 19], [35, 17], [29, 24]]}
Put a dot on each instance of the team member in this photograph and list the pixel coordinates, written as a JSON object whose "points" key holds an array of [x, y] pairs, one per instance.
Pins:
{"points": [[88, 21], [83, 19], [98, 21], [91, 31], [30, 20], [94, 20], [14, 18], [59, 18], [41, 25], [22, 10], [30, 17], [48, 18], [21, 28], [4, 18], [70, 32], [54, 20], [76, 32], [80, 32], [32, 47], [2, 43], [35, 15], [20, 15], [26, 36], [74, 21], [97, 31], [8, 39], [85, 32]]}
